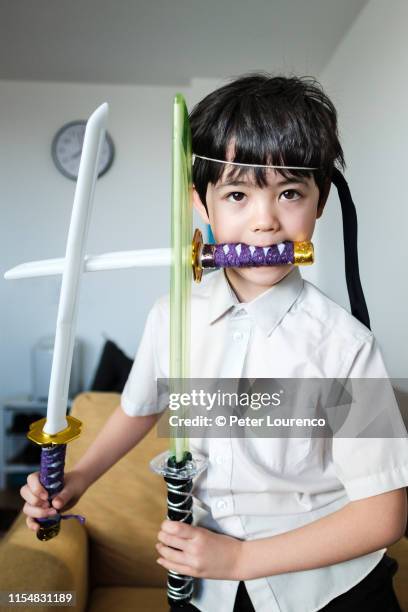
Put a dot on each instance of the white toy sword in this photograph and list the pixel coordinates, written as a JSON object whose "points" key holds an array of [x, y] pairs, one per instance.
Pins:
{"points": [[57, 429]]}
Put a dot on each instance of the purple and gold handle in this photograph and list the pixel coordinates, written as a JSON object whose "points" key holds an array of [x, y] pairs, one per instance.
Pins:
{"points": [[238, 255], [53, 449]]}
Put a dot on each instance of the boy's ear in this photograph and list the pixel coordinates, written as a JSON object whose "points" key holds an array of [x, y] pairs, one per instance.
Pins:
{"points": [[323, 199], [199, 206]]}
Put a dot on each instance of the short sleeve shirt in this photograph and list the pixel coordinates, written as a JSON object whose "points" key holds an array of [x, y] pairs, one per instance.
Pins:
{"points": [[260, 487]]}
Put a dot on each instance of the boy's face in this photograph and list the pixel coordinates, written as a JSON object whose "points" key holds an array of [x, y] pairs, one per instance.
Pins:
{"points": [[240, 211]]}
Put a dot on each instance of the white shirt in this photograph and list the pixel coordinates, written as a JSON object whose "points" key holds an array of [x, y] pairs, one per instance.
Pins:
{"points": [[259, 487]]}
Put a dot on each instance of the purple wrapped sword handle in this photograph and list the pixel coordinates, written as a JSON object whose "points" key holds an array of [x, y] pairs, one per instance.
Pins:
{"points": [[52, 479], [238, 255], [53, 449]]}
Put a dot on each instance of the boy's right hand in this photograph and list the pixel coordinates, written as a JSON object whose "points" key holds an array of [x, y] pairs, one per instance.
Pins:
{"points": [[36, 497]]}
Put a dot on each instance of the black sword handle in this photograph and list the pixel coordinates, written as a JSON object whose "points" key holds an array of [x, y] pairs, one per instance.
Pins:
{"points": [[179, 508]]}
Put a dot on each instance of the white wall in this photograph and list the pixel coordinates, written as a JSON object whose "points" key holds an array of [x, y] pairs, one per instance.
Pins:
{"points": [[131, 210], [366, 79]]}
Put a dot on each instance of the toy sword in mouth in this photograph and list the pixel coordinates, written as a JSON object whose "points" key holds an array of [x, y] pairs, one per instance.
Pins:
{"points": [[238, 255], [204, 256]]}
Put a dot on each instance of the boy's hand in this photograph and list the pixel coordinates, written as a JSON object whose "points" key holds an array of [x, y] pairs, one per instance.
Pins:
{"points": [[36, 497], [201, 553]]}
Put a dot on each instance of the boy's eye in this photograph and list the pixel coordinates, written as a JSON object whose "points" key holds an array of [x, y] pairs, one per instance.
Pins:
{"points": [[235, 196], [289, 193]]}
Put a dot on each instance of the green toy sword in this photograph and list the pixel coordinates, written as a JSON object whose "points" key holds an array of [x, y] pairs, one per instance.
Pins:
{"points": [[177, 465]]}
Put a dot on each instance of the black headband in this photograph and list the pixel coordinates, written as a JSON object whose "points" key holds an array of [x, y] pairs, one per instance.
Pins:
{"points": [[356, 296]]}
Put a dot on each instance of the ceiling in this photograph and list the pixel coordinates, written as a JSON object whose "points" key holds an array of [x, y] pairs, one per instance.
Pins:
{"points": [[163, 42]]}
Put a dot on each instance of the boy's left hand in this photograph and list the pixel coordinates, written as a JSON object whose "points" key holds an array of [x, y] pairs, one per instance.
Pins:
{"points": [[201, 553]]}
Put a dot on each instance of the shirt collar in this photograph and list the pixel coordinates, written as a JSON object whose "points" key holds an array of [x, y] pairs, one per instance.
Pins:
{"points": [[267, 310]]}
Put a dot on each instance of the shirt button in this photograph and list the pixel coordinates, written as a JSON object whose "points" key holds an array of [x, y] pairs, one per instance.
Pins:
{"points": [[221, 504], [219, 459], [238, 335]]}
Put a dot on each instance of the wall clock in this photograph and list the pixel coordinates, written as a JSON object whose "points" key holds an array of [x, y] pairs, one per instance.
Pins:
{"points": [[66, 150]]}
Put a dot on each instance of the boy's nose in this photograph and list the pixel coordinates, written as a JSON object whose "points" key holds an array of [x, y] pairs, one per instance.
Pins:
{"points": [[265, 218], [264, 226]]}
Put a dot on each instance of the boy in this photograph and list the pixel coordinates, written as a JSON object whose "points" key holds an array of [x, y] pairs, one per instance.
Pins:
{"points": [[288, 525]]}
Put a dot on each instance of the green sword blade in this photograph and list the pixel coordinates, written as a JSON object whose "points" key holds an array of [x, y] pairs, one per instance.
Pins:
{"points": [[181, 270]]}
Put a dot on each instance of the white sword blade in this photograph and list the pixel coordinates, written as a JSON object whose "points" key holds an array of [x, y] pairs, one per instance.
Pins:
{"points": [[93, 263], [73, 267]]}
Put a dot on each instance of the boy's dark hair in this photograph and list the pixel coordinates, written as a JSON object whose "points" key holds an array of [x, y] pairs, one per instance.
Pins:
{"points": [[274, 120]]}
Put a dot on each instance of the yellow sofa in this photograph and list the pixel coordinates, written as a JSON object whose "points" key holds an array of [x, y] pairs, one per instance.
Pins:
{"points": [[111, 561]]}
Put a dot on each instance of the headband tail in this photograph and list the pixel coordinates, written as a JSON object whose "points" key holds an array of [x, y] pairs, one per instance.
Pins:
{"points": [[356, 296]]}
